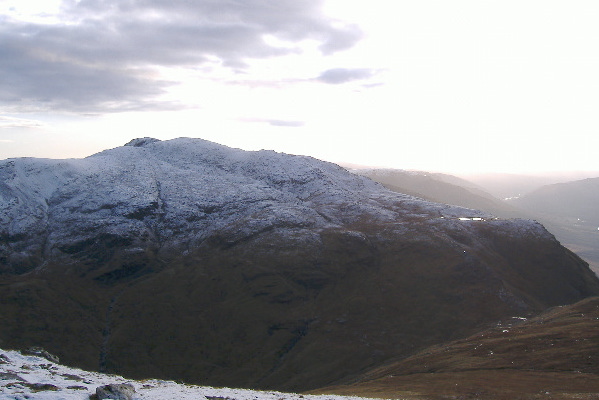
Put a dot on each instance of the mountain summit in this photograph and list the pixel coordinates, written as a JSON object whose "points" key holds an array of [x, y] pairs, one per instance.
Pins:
{"points": [[158, 197], [189, 260]]}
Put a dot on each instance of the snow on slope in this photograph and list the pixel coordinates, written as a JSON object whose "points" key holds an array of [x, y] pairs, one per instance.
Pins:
{"points": [[172, 195], [35, 378]]}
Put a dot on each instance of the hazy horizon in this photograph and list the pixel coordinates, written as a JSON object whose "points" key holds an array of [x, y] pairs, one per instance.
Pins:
{"points": [[566, 174], [465, 86]]}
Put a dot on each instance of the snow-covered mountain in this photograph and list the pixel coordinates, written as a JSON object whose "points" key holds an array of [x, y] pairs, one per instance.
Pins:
{"points": [[163, 196], [185, 259]]}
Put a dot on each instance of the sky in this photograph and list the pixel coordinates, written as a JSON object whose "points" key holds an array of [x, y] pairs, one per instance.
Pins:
{"points": [[438, 85]]}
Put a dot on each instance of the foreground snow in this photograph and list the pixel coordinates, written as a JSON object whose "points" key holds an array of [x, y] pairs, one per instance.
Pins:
{"points": [[29, 377]]}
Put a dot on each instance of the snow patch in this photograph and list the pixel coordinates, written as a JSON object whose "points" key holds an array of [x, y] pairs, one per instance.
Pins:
{"points": [[30, 377]]}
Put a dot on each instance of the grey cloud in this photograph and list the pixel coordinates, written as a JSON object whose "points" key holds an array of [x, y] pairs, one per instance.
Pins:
{"points": [[287, 19], [104, 54], [34, 79], [337, 76], [342, 39]]}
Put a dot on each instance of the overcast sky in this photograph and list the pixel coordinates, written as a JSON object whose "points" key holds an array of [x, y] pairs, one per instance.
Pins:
{"points": [[478, 85]]}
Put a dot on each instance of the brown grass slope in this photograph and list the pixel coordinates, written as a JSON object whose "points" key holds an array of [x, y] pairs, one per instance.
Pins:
{"points": [[552, 356]]}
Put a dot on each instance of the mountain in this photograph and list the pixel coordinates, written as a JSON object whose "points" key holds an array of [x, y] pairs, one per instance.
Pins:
{"points": [[28, 376], [552, 356], [567, 209], [188, 260], [577, 199], [571, 212], [440, 188], [506, 186]]}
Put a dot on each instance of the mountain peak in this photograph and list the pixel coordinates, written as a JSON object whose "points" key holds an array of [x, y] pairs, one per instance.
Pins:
{"points": [[140, 142]]}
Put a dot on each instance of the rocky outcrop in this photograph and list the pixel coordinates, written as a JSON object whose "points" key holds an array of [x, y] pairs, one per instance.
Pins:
{"points": [[116, 391], [40, 352]]}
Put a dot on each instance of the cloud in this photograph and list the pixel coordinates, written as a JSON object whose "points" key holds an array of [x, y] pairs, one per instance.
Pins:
{"points": [[275, 122], [104, 54], [38, 80], [291, 124], [12, 122], [337, 76]]}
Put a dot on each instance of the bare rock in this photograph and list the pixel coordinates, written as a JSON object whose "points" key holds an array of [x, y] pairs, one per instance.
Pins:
{"points": [[140, 142], [41, 387], [10, 376], [40, 352], [117, 391]]}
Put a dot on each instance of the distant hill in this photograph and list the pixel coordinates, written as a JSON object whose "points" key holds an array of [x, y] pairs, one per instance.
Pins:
{"points": [[577, 200], [552, 356], [571, 211], [441, 188], [504, 186]]}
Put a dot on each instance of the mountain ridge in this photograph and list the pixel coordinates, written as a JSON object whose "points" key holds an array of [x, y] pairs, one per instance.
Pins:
{"points": [[256, 269], [227, 176]]}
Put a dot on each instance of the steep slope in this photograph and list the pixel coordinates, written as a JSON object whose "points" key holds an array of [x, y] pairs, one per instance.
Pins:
{"points": [[189, 260], [555, 355], [571, 212]]}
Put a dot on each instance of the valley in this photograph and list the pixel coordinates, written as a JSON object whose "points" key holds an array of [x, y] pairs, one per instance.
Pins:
{"points": [[564, 203]]}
